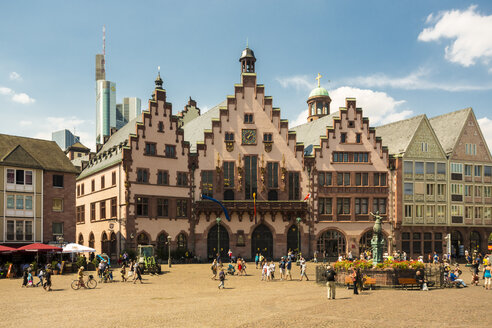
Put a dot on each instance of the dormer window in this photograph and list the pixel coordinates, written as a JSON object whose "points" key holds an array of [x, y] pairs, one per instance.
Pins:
{"points": [[248, 118]]}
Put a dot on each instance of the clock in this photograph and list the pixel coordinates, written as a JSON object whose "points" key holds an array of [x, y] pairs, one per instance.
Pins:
{"points": [[249, 137]]}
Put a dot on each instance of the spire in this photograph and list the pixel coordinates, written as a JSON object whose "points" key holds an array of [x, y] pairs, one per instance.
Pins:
{"points": [[247, 60], [158, 80], [319, 78]]}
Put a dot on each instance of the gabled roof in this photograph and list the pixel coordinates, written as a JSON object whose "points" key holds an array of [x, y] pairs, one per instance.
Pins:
{"points": [[79, 146], [310, 133], [34, 153], [398, 135], [448, 127], [110, 152], [194, 129]]}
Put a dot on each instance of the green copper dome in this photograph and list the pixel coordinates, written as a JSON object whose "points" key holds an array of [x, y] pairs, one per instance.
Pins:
{"points": [[319, 91]]}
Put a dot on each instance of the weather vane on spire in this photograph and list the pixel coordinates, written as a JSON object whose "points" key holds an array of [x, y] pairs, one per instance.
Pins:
{"points": [[247, 43], [318, 78]]}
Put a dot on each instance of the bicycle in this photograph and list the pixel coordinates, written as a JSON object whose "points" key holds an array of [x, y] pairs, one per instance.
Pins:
{"points": [[91, 283]]}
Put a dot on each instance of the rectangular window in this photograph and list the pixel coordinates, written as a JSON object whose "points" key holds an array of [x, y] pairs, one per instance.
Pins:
{"points": [[19, 230], [425, 147], [102, 209], [267, 137], [58, 180], [468, 170], [250, 176], [182, 179], [441, 211], [170, 151], [478, 212], [487, 191], [408, 211], [487, 171], [114, 208], [408, 188], [430, 189], [478, 170], [162, 207], [357, 138], [325, 206], [468, 212], [469, 190], [78, 190], [478, 191], [57, 205], [93, 185], [441, 189], [361, 206], [380, 179], [19, 202], [162, 178], [343, 137], [10, 201], [19, 177], [430, 168], [456, 189], [272, 174], [430, 211], [487, 212], [82, 191], [456, 168], [294, 186], [207, 183], [150, 148], [182, 208], [419, 167], [379, 204], [80, 213], [113, 178], [248, 118], [28, 177], [28, 202], [143, 175], [57, 228], [93, 211], [456, 210], [229, 174], [343, 205], [408, 167], [11, 179], [103, 184], [441, 168], [229, 136], [142, 206], [419, 211], [10, 230]]}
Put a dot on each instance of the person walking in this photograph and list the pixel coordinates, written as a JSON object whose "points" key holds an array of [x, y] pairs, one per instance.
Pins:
{"points": [[123, 272], [288, 267], [40, 276], [315, 257], [138, 273], [476, 270], [282, 268], [47, 278], [257, 260], [355, 280], [214, 269], [229, 253], [330, 282], [487, 274], [303, 268], [221, 278]]}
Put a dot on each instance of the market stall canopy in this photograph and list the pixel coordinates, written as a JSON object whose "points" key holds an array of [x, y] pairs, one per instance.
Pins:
{"points": [[76, 248], [37, 247], [6, 249]]}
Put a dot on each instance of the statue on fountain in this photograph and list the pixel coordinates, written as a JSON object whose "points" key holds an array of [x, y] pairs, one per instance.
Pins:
{"points": [[377, 241]]}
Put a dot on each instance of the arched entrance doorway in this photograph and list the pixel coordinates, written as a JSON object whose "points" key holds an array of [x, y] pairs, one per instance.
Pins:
{"points": [[457, 247], [218, 237], [292, 242], [262, 242], [331, 244], [365, 242], [475, 242], [162, 251], [112, 246], [104, 243]]}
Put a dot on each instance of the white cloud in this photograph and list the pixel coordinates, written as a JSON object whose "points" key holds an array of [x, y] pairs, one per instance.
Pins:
{"points": [[486, 127], [417, 80], [14, 76], [22, 98], [378, 106], [299, 82], [470, 31]]}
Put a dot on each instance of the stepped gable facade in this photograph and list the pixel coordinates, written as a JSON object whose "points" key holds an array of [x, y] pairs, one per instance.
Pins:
{"points": [[136, 190]]}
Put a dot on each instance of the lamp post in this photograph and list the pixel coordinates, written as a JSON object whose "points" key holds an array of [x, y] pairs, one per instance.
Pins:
{"points": [[298, 238], [169, 250], [218, 235]]}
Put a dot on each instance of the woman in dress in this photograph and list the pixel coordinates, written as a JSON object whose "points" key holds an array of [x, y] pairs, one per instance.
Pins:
{"points": [[487, 274]]}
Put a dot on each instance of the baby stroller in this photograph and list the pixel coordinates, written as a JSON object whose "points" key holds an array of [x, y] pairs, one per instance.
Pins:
{"points": [[230, 269]]}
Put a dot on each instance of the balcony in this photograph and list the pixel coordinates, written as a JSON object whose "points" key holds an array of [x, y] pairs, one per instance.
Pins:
{"points": [[441, 198], [456, 176], [430, 198], [456, 219], [430, 176], [290, 206], [355, 190], [419, 197], [457, 198], [419, 176], [440, 177], [408, 176]]}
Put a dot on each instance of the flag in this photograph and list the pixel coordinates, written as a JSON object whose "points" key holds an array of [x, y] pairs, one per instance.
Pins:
{"points": [[307, 196], [223, 208], [254, 205]]}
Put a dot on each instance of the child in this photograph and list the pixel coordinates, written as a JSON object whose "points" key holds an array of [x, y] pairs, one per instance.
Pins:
{"points": [[221, 278], [29, 278], [24, 278], [123, 273]]}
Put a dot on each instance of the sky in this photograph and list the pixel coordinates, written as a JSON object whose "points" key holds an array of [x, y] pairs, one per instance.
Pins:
{"points": [[398, 58]]}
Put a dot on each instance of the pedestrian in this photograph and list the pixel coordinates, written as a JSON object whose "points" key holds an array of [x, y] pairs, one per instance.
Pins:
{"points": [[239, 267], [436, 258], [350, 257], [303, 268], [355, 279], [221, 278], [214, 269], [29, 278], [257, 259], [80, 274], [487, 276], [40, 276], [123, 272], [330, 282], [476, 270], [281, 267], [230, 255], [138, 273], [288, 267], [315, 257], [47, 278], [419, 277], [243, 267], [272, 270]]}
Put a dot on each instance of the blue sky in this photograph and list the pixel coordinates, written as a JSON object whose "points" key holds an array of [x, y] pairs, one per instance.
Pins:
{"points": [[399, 58]]}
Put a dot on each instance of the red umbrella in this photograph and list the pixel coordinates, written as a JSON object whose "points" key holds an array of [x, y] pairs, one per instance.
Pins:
{"points": [[6, 249], [36, 247]]}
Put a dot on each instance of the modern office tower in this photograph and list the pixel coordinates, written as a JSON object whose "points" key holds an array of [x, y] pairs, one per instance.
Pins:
{"points": [[105, 109], [131, 108], [64, 138], [100, 71]]}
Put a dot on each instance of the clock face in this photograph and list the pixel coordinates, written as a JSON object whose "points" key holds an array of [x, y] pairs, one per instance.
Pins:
{"points": [[249, 137]]}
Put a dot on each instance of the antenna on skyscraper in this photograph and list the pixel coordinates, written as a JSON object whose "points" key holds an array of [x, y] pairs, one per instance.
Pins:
{"points": [[104, 40]]}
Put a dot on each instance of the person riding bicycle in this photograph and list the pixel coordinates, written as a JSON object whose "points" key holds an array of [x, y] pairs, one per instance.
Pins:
{"points": [[80, 273]]}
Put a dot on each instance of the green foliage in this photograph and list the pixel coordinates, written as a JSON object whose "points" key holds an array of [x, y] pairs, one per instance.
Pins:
{"points": [[54, 265], [132, 254], [34, 266], [95, 262], [81, 261]]}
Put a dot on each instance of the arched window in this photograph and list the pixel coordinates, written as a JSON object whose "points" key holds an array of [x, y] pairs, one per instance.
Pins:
{"points": [[104, 243], [81, 239], [475, 241], [457, 247], [332, 243], [142, 239], [182, 242], [112, 245], [92, 240], [162, 246]]}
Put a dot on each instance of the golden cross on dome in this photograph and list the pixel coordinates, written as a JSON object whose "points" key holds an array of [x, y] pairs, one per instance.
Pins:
{"points": [[318, 78]]}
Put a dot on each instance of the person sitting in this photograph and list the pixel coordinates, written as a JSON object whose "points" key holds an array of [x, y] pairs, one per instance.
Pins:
{"points": [[419, 277], [454, 278]]}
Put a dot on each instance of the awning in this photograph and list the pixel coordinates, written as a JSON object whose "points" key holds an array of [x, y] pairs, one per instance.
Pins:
{"points": [[4, 249], [76, 248], [37, 247]]}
